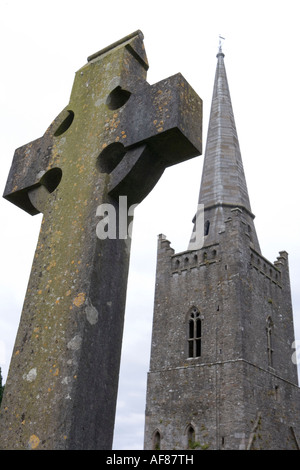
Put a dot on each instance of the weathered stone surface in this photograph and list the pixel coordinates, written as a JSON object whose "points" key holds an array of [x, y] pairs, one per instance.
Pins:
{"points": [[114, 138]]}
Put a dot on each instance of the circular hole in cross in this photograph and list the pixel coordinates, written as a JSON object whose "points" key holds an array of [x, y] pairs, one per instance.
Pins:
{"points": [[117, 98], [51, 179], [64, 126], [110, 157], [39, 193]]}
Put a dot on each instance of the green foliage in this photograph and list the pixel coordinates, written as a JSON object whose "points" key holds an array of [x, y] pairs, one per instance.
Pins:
{"points": [[193, 445], [1, 387], [196, 445]]}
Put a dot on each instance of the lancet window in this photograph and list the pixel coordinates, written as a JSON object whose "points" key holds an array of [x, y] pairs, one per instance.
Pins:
{"points": [[190, 437], [194, 333], [270, 341], [156, 440]]}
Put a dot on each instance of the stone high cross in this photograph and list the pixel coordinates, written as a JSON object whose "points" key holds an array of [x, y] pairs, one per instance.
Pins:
{"points": [[115, 138]]}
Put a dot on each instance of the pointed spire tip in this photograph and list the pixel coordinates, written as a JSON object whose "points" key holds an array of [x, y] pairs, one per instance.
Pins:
{"points": [[220, 53]]}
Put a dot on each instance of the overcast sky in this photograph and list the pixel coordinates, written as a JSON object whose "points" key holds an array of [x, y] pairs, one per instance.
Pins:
{"points": [[43, 43]]}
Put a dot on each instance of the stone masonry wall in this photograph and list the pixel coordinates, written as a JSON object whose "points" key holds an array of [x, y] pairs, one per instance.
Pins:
{"points": [[232, 395]]}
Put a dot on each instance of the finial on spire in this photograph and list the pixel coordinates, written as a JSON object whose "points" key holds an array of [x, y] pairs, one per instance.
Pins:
{"points": [[221, 39], [220, 42]]}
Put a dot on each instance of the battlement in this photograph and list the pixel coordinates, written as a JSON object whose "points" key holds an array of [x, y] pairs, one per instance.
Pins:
{"points": [[268, 269], [187, 260]]}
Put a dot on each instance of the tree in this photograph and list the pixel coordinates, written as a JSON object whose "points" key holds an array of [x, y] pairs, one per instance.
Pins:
{"points": [[1, 387]]}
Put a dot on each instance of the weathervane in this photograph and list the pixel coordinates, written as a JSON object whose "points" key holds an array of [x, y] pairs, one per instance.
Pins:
{"points": [[221, 39]]}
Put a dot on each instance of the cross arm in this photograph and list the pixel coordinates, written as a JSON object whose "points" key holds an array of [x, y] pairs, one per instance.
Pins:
{"points": [[167, 130], [29, 166], [167, 115]]}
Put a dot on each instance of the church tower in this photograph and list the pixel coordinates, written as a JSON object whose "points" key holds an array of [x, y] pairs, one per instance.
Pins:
{"points": [[221, 370]]}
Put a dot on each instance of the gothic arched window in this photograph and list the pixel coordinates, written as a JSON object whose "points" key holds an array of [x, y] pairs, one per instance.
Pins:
{"points": [[206, 227], [194, 333], [156, 440], [190, 436], [270, 341]]}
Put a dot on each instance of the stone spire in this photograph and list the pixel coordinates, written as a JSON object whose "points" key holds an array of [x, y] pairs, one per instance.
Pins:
{"points": [[223, 185]]}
